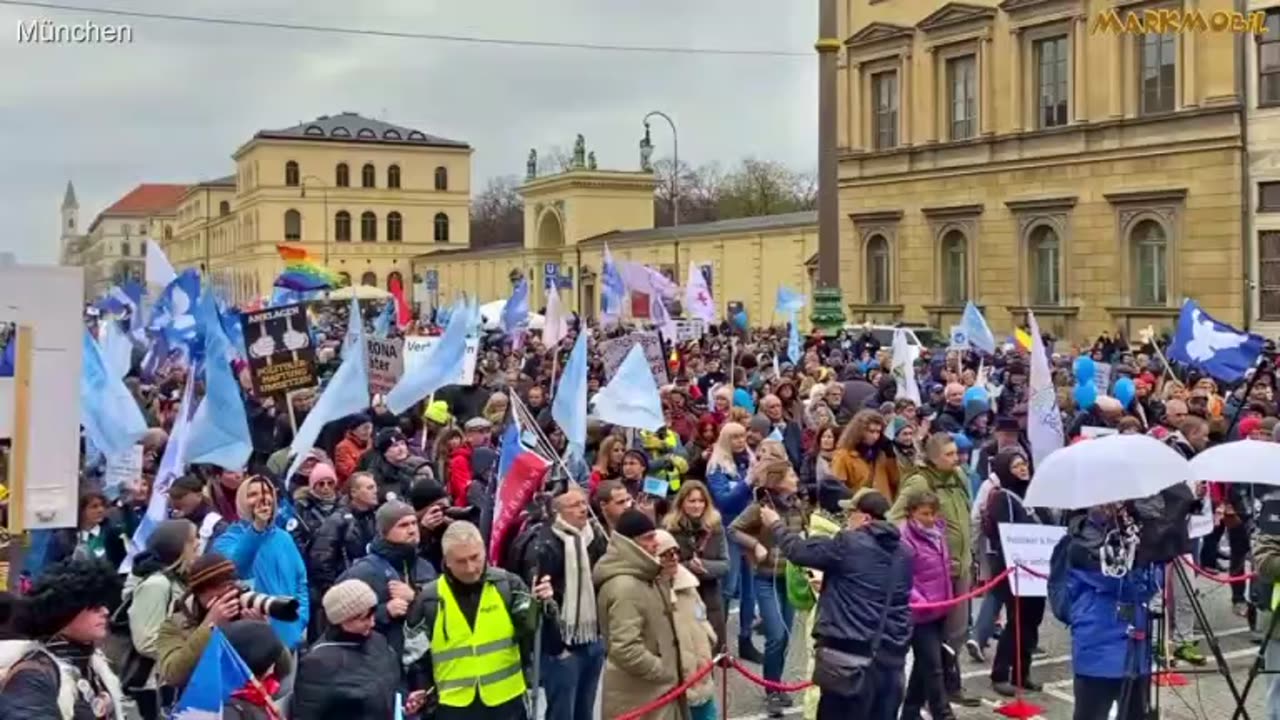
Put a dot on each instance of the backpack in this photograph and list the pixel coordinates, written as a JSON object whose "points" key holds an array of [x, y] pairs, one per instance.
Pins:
{"points": [[1059, 569], [513, 561]]}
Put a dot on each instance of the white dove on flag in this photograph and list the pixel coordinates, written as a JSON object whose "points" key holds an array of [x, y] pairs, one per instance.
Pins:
{"points": [[1207, 340]]}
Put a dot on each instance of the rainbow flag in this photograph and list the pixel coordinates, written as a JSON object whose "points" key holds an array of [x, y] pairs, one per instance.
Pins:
{"points": [[302, 273]]}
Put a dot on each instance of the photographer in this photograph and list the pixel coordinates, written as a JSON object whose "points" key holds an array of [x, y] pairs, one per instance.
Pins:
{"points": [[775, 485], [266, 556], [212, 600]]}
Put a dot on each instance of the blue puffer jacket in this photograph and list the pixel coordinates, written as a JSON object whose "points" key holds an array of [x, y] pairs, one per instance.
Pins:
{"points": [[731, 493], [270, 561], [1104, 610]]}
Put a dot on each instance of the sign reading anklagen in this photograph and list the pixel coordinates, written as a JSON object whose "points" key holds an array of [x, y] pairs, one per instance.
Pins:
{"points": [[281, 357], [385, 359], [417, 348]]}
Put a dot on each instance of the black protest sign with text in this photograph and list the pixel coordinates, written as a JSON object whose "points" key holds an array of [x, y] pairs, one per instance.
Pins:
{"points": [[281, 357]]}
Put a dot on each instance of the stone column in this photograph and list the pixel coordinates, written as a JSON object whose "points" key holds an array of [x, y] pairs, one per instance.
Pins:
{"points": [[1016, 90], [986, 87], [1079, 99], [857, 110], [936, 99], [905, 101], [1115, 81], [1187, 44]]}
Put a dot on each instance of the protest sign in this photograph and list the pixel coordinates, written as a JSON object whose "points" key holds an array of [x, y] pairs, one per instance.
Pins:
{"points": [[1030, 545], [124, 470], [1102, 377], [689, 330], [385, 360], [417, 348], [1201, 523], [281, 357], [614, 351]]}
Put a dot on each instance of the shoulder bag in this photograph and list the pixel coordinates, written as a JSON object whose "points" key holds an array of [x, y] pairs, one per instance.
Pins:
{"points": [[846, 674]]}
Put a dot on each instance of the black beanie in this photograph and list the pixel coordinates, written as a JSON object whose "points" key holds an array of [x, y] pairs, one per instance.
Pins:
{"points": [[168, 541], [425, 493], [256, 643], [633, 523], [385, 438]]}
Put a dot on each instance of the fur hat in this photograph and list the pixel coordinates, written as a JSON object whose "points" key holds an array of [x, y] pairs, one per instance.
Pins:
{"points": [[64, 590]]}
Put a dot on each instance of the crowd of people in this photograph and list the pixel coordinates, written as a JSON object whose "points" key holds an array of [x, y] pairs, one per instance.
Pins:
{"points": [[363, 580]]}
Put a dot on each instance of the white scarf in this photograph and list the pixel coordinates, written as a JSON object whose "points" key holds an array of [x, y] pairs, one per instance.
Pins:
{"points": [[578, 623]]}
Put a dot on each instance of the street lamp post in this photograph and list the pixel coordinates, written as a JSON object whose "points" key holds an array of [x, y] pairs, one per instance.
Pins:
{"points": [[324, 195], [675, 161]]}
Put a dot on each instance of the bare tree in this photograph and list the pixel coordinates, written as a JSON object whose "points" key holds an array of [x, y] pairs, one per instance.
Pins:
{"points": [[764, 187], [698, 189], [554, 160], [497, 214]]}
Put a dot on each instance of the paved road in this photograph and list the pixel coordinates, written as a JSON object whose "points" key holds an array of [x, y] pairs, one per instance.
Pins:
{"points": [[1206, 697]]}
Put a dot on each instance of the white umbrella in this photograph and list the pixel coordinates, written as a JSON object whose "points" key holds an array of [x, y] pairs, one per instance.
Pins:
{"points": [[1242, 461], [491, 316], [1106, 470], [362, 292]]}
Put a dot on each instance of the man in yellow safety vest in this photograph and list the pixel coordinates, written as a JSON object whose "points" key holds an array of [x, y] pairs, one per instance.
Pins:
{"points": [[478, 618]]}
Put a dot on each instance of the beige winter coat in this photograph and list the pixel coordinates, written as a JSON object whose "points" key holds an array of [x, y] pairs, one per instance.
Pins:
{"points": [[636, 618], [697, 637]]}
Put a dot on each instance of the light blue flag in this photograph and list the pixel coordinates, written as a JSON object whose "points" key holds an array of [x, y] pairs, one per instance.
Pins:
{"points": [[1212, 346], [976, 328], [220, 672], [111, 417], [171, 467], [439, 369], [793, 341], [516, 312], [117, 349], [473, 315], [613, 289], [569, 409], [346, 394], [788, 301], [219, 429], [385, 321], [631, 397]]}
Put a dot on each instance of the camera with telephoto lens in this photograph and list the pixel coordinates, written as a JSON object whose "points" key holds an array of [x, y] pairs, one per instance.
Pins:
{"points": [[275, 607]]}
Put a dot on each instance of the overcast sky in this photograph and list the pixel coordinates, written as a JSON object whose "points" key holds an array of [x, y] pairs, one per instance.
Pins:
{"points": [[174, 105]]}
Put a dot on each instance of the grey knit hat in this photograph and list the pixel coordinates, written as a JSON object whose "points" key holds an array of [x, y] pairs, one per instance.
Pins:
{"points": [[391, 512], [348, 600]]}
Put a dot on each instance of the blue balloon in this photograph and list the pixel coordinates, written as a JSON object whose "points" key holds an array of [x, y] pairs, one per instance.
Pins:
{"points": [[1086, 395], [1124, 391], [1085, 370]]}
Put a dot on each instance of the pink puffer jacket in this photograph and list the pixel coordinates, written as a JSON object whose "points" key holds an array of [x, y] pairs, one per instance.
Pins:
{"points": [[930, 568]]}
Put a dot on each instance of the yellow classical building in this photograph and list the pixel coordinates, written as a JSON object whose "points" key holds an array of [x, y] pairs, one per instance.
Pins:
{"points": [[1007, 154], [113, 247], [1001, 153], [362, 195]]}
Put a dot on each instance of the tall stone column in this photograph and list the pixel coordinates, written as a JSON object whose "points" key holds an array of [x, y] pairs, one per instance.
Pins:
{"points": [[828, 310]]}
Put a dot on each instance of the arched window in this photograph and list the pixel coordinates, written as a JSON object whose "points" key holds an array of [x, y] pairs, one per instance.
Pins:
{"points": [[368, 227], [291, 177], [344, 278], [370, 279], [395, 229], [342, 175], [1046, 266], [342, 226], [442, 178], [1150, 263], [292, 225], [878, 291], [441, 227], [955, 268], [393, 176], [224, 208], [368, 176]]}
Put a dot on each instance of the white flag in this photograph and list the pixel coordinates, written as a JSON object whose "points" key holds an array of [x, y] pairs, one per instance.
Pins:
{"points": [[697, 296], [159, 271], [555, 326], [1044, 422], [904, 367]]}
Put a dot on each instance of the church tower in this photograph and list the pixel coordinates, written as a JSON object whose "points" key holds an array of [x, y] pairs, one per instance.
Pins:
{"points": [[70, 224]]}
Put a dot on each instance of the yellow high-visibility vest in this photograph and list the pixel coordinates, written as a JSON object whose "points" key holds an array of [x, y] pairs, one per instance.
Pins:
{"points": [[486, 657]]}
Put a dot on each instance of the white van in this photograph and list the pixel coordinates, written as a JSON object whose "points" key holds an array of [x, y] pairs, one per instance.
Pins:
{"points": [[919, 335]]}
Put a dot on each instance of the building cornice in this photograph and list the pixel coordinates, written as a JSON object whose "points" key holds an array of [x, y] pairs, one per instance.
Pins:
{"points": [[1146, 196], [1025, 205], [876, 216], [955, 14], [880, 32], [952, 211]]}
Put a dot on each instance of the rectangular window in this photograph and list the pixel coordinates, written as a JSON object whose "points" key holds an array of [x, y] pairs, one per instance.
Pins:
{"points": [[1051, 81], [1269, 274], [1269, 197], [1157, 60], [884, 125], [962, 93], [1269, 61]]}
